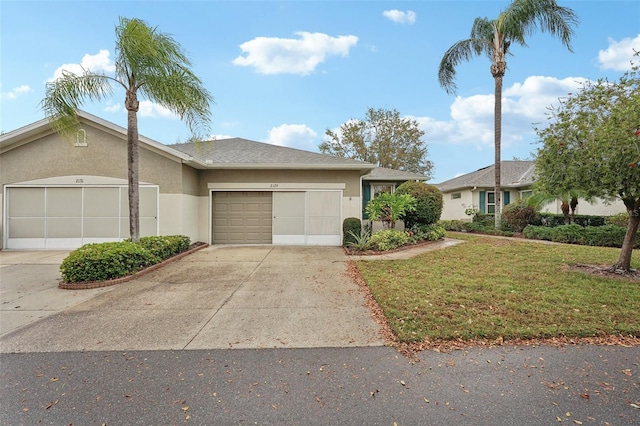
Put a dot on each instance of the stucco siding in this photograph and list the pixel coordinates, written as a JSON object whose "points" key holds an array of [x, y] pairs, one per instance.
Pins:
{"points": [[104, 155], [350, 178], [453, 208], [599, 208]]}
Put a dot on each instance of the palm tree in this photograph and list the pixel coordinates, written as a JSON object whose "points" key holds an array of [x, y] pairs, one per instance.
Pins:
{"points": [[493, 38], [149, 63]]}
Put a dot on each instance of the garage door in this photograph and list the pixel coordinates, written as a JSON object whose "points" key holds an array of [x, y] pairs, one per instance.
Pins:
{"points": [[68, 217], [241, 217]]}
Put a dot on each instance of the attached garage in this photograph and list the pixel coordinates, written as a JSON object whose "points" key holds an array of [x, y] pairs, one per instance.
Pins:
{"points": [[241, 217], [276, 217], [63, 217]]}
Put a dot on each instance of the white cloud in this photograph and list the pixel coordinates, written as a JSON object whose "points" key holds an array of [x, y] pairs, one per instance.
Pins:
{"points": [[272, 55], [111, 107], [524, 106], [619, 54], [15, 92], [293, 136], [150, 109], [99, 62], [400, 17]]}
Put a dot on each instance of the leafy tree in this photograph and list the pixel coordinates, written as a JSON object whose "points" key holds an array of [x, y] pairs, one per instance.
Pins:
{"points": [[389, 208], [492, 38], [593, 145], [382, 138], [429, 202], [149, 63]]}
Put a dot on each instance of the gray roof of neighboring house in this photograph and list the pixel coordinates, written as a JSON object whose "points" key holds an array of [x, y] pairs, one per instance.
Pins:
{"points": [[242, 153], [384, 174], [513, 174]]}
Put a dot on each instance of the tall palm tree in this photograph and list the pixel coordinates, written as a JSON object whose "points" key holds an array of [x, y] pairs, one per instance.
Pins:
{"points": [[492, 38], [149, 63]]}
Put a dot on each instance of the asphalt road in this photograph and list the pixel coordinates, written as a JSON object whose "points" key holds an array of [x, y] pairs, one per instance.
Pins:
{"points": [[343, 386]]}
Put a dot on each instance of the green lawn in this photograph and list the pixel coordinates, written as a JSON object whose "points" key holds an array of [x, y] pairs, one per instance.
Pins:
{"points": [[489, 288]]}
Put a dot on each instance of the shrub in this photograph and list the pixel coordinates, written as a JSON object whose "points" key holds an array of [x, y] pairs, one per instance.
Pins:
{"points": [[106, 261], [432, 232], [553, 220], [603, 236], [621, 219], [166, 246], [516, 216], [429, 203], [388, 239], [486, 220], [351, 227], [452, 225], [389, 207], [361, 241]]}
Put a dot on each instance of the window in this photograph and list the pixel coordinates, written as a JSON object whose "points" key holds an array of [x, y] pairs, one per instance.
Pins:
{"points": [[456, 195], [525, 194], [382, 187], [491, 202]]}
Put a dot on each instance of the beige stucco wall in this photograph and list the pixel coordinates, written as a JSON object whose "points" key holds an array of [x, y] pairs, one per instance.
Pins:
{"points": [[104, 155], [453, 209], [350, 178]]}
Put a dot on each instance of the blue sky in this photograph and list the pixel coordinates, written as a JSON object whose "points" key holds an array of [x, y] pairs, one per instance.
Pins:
{"points": [[283, 72]]}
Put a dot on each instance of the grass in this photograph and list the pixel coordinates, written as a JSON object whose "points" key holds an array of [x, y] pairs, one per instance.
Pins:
{"points": [[488, 288]]}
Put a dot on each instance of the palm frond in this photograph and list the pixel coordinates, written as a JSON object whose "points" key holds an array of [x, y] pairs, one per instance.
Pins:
{"points": [[461, 51], [157, 66], [64, 96], [525, 17]]}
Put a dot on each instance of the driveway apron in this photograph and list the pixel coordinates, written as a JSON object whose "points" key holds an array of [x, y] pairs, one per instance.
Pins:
{"points": [[218, 297]]}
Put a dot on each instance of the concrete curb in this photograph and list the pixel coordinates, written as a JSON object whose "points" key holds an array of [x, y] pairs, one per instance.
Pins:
{"points": [[100, 284]]}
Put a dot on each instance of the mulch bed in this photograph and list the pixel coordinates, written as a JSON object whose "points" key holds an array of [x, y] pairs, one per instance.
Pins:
{"points": [[352, 252]]}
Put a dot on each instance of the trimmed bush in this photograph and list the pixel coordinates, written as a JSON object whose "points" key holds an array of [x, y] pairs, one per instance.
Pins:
{"points": [[621, 219], [106, 261], [432, 232], [351, 227], [603, 236], [166, 246], [452, 225], [429, 203], [553, 220], [486, 220], [516, 216], [388, 239]]}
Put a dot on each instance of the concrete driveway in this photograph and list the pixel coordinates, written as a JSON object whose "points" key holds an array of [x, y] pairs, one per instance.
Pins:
{"points": [[219, 297]]}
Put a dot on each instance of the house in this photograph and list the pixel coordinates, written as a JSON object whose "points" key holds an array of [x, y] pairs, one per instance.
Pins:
{"points": [[475, 192], [61, 194]]}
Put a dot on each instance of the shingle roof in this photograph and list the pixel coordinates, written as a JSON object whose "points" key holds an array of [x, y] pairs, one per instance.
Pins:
{"points": [[513, 174], [382, 174], [242, 153]]}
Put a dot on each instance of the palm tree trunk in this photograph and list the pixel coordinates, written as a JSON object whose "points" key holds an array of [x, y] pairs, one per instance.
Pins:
{"points": [[132, 104], [497, 121]]}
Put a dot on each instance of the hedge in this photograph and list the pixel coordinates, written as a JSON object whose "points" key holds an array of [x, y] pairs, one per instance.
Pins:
{"points": [[107, 261], [604, 236], [350, 226]]}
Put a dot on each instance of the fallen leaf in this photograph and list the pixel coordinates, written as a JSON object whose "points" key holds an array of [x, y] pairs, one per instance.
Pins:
{"points": [[627, 372], [568, 414], [403, 383], [426, 400], [25, 409], [584, 395], [558, 419], [635, 406], [187, 417], [185, 409], [54, 379], [578, 422], [51, 404]]}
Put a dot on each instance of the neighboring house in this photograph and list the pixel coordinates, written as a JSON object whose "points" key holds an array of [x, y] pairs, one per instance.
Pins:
{"points": [[60, 194], [475, 191]]}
